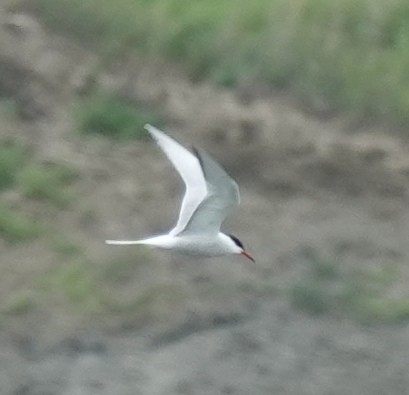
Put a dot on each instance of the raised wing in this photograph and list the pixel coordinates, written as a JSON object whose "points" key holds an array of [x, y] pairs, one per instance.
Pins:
{"points": [[190, 170], [222, 197]]}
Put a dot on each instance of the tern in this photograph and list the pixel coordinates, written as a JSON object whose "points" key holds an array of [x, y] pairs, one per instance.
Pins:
{"points": [[211, 194]]}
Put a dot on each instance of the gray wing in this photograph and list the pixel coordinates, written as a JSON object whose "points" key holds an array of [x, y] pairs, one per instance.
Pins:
{"points": [[222, 197]]}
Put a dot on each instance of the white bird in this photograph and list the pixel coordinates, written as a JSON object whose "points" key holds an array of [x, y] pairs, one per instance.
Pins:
{"points": [[210, 196]]}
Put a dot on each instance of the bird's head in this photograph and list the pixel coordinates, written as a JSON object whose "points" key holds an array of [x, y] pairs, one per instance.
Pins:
{"points": [[239, 247]]}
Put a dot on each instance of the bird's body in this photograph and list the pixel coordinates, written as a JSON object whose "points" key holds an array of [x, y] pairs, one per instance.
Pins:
{"points": [[210, 195]]}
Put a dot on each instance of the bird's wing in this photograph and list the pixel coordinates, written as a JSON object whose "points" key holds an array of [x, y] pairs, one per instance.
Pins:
{"points": [[222, 197], [189, 168]]}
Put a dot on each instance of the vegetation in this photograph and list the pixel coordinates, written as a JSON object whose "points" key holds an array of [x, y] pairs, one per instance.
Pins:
{"points": [[108, 289], [362, 295], [48, 182], [11, 160], [341, 54], [66, 248], [76, 281], [15, 226], [19, 303], [108, 115]]}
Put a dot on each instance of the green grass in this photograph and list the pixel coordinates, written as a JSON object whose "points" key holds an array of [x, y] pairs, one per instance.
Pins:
{"points": [[12, 158], [66, 248], [342, 54], [110, 116], [362, 295], [17, 227], [75, 283], [19, 303], [87, 288], [384, 310], [48, 182]]}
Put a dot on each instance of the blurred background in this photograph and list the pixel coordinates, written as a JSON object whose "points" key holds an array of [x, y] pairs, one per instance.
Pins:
{"points": [[304, 102]]}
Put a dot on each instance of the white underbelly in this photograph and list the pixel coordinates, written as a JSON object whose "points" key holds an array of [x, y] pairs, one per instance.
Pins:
{"points": [[199, 247]]}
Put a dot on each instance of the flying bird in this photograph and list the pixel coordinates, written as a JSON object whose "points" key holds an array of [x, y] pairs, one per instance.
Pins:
{"points": [[211, 194]]}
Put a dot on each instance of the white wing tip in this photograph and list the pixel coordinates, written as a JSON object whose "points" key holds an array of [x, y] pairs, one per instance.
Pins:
{"points": [[149, 127], [154, 132]]}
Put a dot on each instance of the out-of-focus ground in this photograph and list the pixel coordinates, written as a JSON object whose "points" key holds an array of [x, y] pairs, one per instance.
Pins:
{"points": [[324, 210]]}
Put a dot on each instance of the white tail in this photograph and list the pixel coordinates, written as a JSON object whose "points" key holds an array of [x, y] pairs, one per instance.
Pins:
{"points": [[123, 242], [164, 241]]}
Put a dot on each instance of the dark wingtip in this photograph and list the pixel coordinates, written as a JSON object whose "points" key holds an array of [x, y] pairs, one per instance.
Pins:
{"points": [[196, 151]]}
